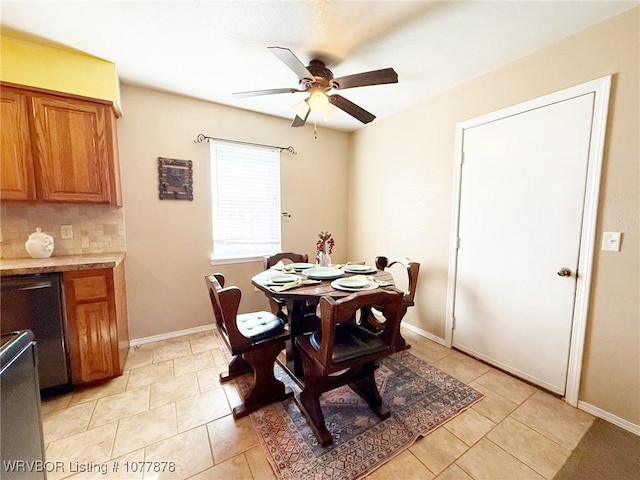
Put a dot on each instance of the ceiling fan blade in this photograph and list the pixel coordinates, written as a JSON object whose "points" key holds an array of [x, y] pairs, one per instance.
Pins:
{"points": [[375, 77], [299, 122], [351, 108], [255, 93], [291, 61]]}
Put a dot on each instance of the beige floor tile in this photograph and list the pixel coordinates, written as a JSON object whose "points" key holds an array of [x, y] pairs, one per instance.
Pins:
{"points": [[103, 389], [209, 378], [493, 406], [120, 405], [58, 402], [438, 450], [189, 451], [236, 468], [554, 419], [138, 357], [143, 376], [201, 408], [171, 351], [173, 389], [205, 342], [506, 386], [229, 437], [88, 447], [486, 461], [258, 463], [144, 429], [469, 426], [62, 423], [219, 357], [405, 466], [429, 351], [463, 368], [530, 447], [193, 363], [454, 472]]}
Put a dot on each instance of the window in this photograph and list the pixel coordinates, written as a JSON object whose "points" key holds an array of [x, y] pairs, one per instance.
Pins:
{"points": [[245, 187]]}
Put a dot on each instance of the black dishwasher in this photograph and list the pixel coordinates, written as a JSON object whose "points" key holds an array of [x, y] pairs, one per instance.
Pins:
{"points": [[34, 302]]}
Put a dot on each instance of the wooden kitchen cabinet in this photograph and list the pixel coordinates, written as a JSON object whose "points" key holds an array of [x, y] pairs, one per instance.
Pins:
{"points": [[61, 148], [97, 323]]}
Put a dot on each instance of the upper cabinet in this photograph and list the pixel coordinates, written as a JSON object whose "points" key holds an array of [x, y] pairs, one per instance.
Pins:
{"points": [[58, 148]]}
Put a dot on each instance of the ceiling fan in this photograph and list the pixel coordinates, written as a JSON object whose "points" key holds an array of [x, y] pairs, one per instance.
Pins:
{"points": [[318, 80]]}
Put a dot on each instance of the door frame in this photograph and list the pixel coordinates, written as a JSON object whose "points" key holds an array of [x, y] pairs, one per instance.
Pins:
{"points": [[601, 88]]}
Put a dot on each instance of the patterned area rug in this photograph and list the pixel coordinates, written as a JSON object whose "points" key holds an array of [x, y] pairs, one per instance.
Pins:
{"points": [[420, 396]]}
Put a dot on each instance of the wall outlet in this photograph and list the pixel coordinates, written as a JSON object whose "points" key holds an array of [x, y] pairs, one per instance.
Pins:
{"points": [[66, 231]]}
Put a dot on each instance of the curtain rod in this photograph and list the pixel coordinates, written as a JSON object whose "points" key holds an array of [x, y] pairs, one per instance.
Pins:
{"points": [[201, 138]]}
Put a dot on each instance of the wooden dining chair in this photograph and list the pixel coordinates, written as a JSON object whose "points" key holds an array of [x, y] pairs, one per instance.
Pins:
{"points": [[343, 352], [254, 340], [412, 268]]}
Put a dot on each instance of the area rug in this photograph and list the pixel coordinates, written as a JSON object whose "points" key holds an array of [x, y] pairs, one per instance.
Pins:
{"points": [[420, 396]]}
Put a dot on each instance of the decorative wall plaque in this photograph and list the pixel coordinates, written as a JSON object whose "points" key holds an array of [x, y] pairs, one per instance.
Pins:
{"points": [[175, 179]]}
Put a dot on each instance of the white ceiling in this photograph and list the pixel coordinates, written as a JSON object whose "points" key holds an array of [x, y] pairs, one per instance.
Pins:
{"points": [[209, 49]]}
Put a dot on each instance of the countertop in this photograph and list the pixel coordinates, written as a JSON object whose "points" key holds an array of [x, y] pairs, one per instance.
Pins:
{"points": [[25, 266]]}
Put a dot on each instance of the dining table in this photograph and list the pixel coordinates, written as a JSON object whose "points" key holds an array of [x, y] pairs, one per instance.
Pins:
{"points": [[303, 295]]}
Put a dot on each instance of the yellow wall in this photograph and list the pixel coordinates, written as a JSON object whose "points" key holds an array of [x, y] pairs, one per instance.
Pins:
{"points": [[414, 151], [38, 65]]}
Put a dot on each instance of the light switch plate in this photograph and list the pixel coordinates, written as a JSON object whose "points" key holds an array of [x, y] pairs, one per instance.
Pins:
{"points": [[611, 241]]}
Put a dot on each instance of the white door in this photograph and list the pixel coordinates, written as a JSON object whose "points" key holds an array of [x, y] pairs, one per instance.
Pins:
{"points": [[522, 196]]}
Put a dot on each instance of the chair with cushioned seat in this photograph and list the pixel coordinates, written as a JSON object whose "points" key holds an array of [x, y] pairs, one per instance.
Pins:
{"points": [[412, 268], [343, 352], [254, 340]]}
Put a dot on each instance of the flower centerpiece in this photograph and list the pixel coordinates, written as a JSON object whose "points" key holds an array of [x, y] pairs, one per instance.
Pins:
{"points": [[324, 247]]}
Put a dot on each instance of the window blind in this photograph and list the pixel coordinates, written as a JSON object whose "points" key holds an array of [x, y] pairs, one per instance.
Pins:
{"points": [[245, 183]]}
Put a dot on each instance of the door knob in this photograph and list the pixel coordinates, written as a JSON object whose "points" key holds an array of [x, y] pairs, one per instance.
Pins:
{"points": [[564, 272]]}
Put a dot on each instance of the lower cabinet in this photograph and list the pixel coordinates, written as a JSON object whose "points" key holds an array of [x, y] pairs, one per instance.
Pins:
{"points": [[97, 323]]}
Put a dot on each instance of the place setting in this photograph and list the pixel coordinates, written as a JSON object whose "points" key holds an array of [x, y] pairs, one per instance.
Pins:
{"points": [[356, 283], [286, 281]]}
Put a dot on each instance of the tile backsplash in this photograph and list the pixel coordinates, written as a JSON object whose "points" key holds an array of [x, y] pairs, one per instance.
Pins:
{"points": [[96, 228]]}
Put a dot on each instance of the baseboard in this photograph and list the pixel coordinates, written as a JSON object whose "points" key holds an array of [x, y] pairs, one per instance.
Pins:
{"points": [[423, 333], [167, 336], [609, 417]]}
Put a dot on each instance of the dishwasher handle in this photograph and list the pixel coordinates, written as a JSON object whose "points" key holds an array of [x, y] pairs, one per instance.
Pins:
{"points": [[36, 286]]}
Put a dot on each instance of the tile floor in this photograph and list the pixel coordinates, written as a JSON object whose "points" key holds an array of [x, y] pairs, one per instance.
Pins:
{"points": [[169, 406]]}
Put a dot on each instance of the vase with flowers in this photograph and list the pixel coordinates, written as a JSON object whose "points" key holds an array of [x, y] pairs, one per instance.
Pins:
{"points": [[324, 247]]}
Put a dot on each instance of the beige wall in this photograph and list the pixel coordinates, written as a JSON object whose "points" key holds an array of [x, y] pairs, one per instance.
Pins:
{"points": [[169, 241], [412, 155]]}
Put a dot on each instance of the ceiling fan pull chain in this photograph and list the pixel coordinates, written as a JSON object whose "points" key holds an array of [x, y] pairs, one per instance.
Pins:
{"points": [[315, 129]]}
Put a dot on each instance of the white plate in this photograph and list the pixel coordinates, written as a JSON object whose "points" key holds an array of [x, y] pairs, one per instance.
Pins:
{"points": [[301, 266], [322, 273], [282, 279], [359, 269], [370, 286], [353, 282]]}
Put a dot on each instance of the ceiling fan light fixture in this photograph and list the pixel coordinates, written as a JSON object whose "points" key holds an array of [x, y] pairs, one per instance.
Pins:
{"points": [[301, 108], [318, 101]]}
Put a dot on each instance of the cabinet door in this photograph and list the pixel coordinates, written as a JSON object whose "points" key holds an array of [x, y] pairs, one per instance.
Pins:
{"points": [[95, 342], [72, 150], [91, 324], [16, 168]]}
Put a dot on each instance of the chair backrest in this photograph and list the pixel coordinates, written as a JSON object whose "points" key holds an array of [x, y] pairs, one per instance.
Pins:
{"points": [[225, 303], [412, 272], [334, 312], [294, 257]]}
